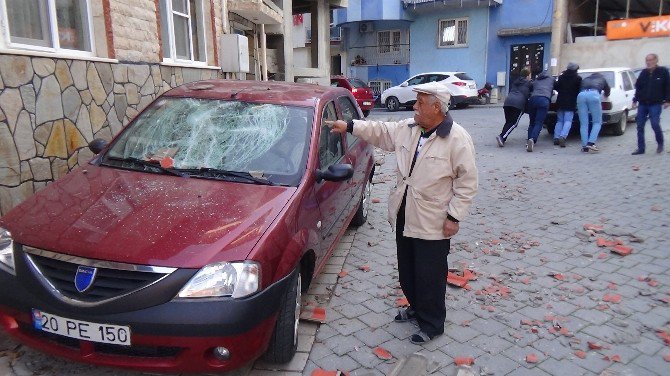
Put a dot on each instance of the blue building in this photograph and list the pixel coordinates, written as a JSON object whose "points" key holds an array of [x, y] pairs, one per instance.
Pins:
{"points": [[384, 42]]}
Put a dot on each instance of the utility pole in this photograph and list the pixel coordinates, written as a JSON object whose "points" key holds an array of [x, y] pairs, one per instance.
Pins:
{"points": [[559, 22]]}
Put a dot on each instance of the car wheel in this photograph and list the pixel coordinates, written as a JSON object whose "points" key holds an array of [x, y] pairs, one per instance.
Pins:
{"points": [[366, 113], [619, 128], [361, 215], [284, 340], [392, 104]]}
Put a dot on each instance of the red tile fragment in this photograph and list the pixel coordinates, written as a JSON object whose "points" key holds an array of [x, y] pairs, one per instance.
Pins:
{"points": [[465, 323], [321, 372], [549, 317], [594, 345], [314, 314], [382, 353], [665, 336], [580, 354], [364, 268], [559, 276], [666, 357], [531, 358], [526, 322], [463, 361], [602, 256], [612, 298], [525, 281], [376, 200], [564, 331], [602, 242], [622, 250], [602, 307], [343, 273], [593, 227], [612, 286], [167, 162], [401, 302], [652, 283], [534, 330], [616, 358], [489, 308]]}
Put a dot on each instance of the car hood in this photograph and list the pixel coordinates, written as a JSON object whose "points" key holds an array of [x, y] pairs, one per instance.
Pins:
{"points": [[143, 218]]}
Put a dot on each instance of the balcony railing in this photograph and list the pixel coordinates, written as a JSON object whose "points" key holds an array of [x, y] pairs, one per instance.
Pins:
{"points": [[335, 34], [393, 54]]}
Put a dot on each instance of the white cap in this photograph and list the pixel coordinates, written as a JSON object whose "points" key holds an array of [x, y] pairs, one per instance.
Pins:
{"points": [[440, 91]]}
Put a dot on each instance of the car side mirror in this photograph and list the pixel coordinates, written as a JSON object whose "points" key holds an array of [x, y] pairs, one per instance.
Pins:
{"points": [[404, 84], [97, 145], [336, 172]]}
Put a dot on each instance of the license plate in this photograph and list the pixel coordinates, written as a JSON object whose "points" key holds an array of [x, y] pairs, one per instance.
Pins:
{"points": [[88, 331], [367, 103]]}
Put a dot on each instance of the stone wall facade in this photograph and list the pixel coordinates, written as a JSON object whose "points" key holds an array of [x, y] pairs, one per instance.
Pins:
{"points": [[51, 108], [135, 28]]}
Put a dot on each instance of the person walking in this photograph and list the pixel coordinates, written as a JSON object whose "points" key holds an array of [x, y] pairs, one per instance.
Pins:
{"points": [[436, 181], [542, 88], [515, 105], [588, 101], [567, 86], [652, 91]]}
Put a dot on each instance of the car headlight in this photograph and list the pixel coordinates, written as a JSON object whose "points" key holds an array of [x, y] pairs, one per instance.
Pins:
{"points": [[6, 251], [235, 279]]}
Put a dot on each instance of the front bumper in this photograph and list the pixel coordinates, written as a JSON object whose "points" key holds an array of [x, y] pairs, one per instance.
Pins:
{"points": [[366, 104], [175, 336]]}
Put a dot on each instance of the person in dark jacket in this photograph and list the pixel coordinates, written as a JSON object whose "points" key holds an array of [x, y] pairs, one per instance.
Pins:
{"points": [[652, 90], [568, 85], [542, 88], [588, 101], [514, 105]]}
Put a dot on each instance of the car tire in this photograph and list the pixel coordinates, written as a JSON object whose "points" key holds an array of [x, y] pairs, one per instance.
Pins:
{"points": [[284, 340], [619, 128], [392, 104], [361, 215], [366, 113]]}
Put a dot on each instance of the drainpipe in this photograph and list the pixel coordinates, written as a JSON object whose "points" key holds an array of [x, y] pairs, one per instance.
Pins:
{"points": [[558, 28], [595, 22], [264, 55], [224, 28]]}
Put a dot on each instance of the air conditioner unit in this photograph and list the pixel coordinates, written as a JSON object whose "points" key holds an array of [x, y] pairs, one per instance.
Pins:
{"points": [[366, 27]]}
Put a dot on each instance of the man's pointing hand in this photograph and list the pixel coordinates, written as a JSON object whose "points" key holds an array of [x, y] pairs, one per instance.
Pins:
{"points": [[337, 126]]}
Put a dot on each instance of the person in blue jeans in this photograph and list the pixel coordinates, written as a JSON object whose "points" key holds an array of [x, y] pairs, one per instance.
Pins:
{"points": [[538, 104], [588, 101], [568, 86], [652, 91]]}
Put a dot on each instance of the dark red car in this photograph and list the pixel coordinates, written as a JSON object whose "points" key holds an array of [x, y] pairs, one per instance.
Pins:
{"points": [[362, 92], [185, 244]]}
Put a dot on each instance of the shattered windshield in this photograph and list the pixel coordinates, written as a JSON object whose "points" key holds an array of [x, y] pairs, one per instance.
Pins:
{"points": [[186, 134]]}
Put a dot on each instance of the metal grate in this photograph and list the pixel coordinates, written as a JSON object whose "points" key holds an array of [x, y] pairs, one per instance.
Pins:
{"points": [[109, 283], [378, 86]]}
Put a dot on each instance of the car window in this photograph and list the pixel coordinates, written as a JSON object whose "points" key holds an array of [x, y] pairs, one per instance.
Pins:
{"points": [[463, 76], [355, 82], [349, 112], [627, 85], [434, 77], [330, 144], [188, 133], [416, 80], [633, 78]]}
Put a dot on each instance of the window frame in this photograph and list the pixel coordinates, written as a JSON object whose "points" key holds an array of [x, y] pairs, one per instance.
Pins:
{"points": [[52, 30], [326, 129], [456, 22], [341, 102], [392, 47], [170, 44]]}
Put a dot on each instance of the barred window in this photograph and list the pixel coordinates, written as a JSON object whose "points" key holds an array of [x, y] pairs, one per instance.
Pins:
{"points": [[388, 40], [453, 32]]}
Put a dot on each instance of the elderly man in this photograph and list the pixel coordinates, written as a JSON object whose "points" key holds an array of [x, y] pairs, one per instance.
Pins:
{"points": [[652, 92], [436, 182]]}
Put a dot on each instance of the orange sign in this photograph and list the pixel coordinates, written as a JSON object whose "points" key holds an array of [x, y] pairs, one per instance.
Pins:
{"points": [[639, 27]]}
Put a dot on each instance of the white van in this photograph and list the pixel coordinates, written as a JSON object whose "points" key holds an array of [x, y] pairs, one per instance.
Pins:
{"points": [[617, 108]]}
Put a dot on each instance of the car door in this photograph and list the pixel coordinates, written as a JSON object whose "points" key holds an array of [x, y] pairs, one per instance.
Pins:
{"points": [[353, 154], [330, 195], [406, 94], [631, 93]]}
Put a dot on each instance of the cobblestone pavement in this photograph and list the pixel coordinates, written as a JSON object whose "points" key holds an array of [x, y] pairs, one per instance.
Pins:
{"points": [[547, 299]]}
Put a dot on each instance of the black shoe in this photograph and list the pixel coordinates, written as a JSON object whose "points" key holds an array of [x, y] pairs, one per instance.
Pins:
{"points": [[561, 142], [556, 142], [585, 149], [405, 315], [420, 338], [500, 141], [637, 152], [659, 149]]}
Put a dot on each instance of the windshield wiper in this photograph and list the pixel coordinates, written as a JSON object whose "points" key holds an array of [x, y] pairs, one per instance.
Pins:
{"points": [[217, 173], [144, 163]]}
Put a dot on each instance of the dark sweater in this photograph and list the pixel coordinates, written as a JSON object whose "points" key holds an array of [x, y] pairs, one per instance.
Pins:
{"points": [[654, 87], [568, 86]]}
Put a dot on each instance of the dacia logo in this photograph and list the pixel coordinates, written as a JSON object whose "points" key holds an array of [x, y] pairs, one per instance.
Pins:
{"points": [[84, 278]]}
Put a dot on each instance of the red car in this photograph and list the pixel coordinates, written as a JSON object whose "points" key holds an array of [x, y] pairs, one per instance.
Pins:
{"points": [[363, 93], [185, 244]]}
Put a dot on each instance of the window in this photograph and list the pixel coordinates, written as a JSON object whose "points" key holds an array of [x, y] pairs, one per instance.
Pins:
{"points": [[182, 30], [453, 32], [349, 112], [420, 79], [627, 85], [330, 144], [388, 40], [50, 25]]}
